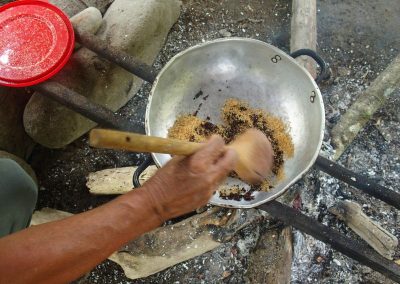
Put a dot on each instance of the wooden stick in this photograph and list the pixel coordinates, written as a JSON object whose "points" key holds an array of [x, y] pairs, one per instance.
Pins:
{"points": [[303, 35], [112, 139], [356, 250], [365, 106], [253, 149], [116, 181], [284, 271], [304, 30], [376, 236]]}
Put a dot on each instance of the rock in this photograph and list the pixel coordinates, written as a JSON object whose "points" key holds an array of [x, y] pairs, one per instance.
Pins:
{"points": [[71, 7], [225, 33], [20, 162], [89, 20], [102, 5], [13, 137], [137, 27], [343, 71]]}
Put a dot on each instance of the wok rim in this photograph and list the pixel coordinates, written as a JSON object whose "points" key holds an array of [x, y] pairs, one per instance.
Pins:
{"points": [[281, 53]]}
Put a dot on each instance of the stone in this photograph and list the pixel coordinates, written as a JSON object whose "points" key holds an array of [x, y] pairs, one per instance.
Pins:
{"points": [[89, 20], [225, 33], [71, 7], [137, 27], [343, 71], [20, 162], [13, 137], [102, 5]]}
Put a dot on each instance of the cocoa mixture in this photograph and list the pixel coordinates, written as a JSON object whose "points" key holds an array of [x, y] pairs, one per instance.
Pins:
{"points": [[237, 116]]}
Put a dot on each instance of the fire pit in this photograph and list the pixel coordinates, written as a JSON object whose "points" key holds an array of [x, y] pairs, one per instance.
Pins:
{"points": [[102, 116], [282, 212]]}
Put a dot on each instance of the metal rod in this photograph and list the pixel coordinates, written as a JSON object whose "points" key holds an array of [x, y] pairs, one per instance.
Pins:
{"points": [[358, 181], [354, 249], [82, 105], [115, 55]]}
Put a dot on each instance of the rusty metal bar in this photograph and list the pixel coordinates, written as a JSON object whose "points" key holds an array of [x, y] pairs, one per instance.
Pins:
{"points": [[115, 55], [358, 181], [354, 249], [85, 107]]}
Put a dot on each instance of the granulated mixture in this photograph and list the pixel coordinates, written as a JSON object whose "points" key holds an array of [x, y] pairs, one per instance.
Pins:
{"points": [[237, 116]]}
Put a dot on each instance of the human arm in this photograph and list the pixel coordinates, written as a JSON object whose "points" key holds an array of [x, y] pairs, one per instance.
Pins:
{"points": [[61, 251]]}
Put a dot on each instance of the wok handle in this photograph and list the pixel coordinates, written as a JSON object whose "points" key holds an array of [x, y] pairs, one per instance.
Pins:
{"points": [[113, 139], [323, 74], [140, 169]]}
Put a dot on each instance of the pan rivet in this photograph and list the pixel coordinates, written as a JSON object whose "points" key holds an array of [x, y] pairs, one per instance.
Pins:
{"points": [[312, 97], [276, 58]]}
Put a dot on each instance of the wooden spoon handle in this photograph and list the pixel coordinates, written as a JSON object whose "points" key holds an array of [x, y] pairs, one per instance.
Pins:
{"points": [[112, 139]]}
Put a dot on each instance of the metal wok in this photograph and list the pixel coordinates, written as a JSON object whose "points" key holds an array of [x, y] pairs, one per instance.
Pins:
{"points": [[249, 70]]}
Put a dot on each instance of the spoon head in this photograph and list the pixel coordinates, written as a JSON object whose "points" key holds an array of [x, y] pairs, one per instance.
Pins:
{"points": [[256, 156]]}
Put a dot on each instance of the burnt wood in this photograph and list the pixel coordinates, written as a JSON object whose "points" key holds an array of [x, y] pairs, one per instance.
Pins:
{"points": [[359, 181], [357, 250]]}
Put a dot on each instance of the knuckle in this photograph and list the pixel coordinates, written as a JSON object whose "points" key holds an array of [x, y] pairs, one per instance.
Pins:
{"points": [[196, 165]]}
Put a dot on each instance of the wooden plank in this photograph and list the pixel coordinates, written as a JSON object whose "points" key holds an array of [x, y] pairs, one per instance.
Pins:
{"points": [[269, 261], [169, 245], [304, 31], [116, 181], [367, 103], [377, 237]]}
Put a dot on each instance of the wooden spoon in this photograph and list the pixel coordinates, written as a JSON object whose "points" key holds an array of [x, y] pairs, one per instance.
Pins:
{"points": [[254, 150]]}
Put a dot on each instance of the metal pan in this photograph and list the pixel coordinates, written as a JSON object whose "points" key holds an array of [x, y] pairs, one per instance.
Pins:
{"points": [[109, 119], [249, 70]]}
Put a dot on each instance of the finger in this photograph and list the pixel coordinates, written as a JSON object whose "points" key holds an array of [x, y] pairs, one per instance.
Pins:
{"points": [[225, 165], [200, 161], [212, 150], [177, 158]]}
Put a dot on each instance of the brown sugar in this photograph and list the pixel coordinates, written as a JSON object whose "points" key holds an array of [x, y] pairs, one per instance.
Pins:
{"points": [[193, 129], [237, 116]]}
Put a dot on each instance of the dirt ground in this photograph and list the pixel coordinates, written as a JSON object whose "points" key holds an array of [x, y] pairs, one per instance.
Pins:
{"points": [[358, 39]]}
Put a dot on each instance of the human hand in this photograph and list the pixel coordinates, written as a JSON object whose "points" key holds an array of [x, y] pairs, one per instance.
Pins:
{"points": [[187, 183]]}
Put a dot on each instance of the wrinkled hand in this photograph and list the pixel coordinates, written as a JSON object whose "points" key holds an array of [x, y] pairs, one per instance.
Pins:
{"points": [[187, 183]]}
